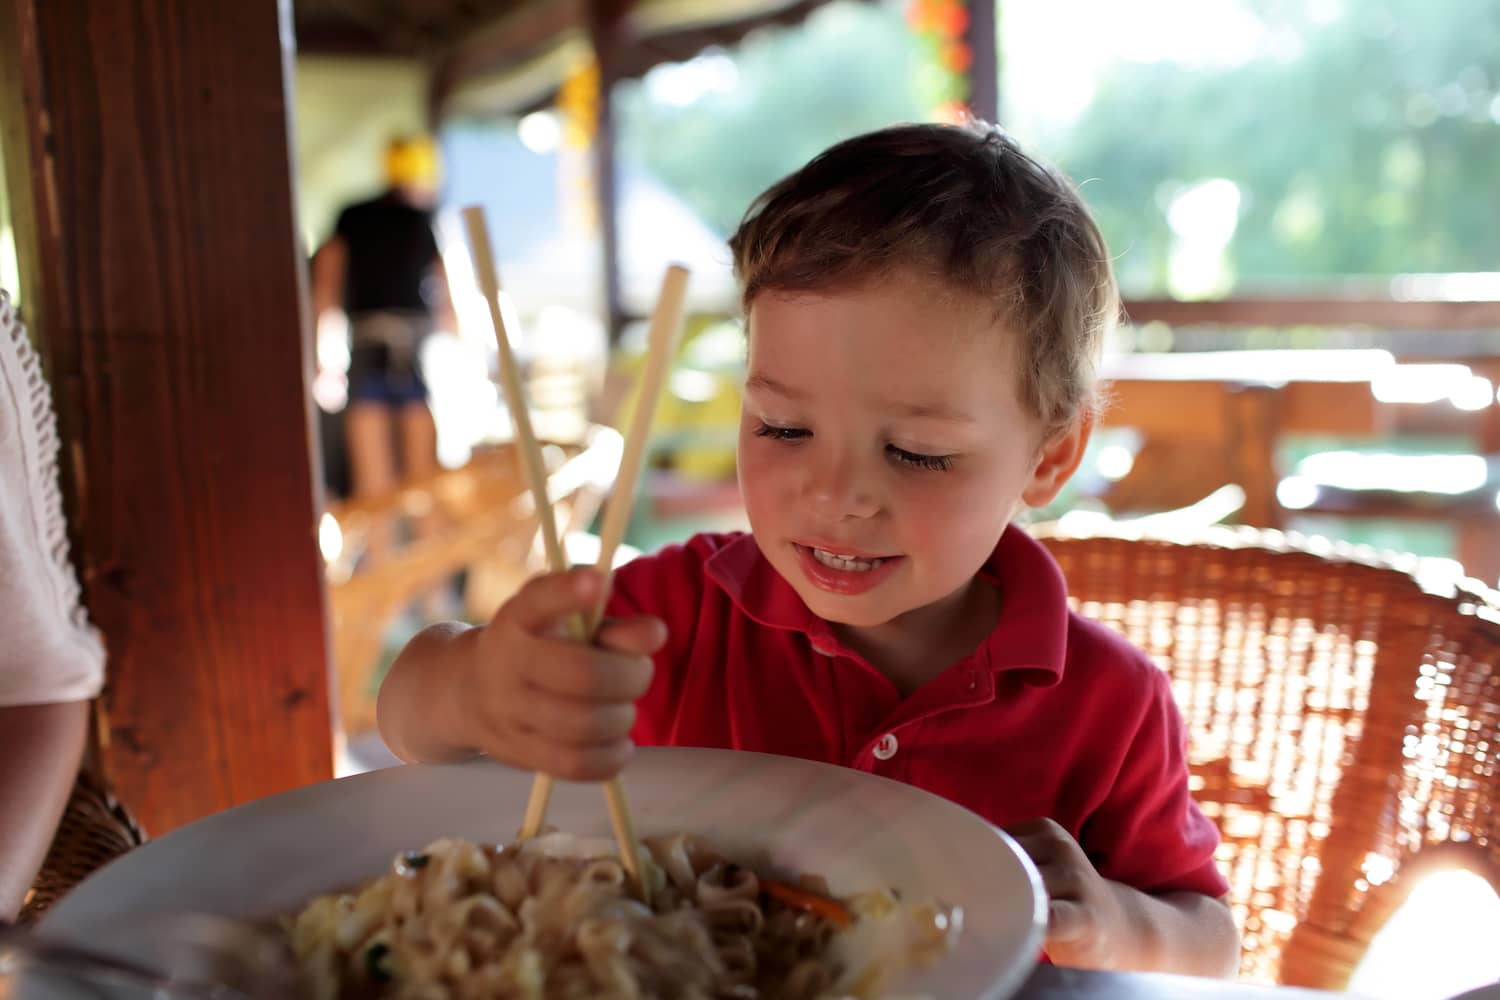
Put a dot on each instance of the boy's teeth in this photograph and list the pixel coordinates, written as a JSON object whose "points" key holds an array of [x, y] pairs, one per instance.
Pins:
{"points": [[844, 562]]}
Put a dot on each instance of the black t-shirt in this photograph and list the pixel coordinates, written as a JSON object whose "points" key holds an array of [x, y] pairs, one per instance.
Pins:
{"points": [[391, 252]]}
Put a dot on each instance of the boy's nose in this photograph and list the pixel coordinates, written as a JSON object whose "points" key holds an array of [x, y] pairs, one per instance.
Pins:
{"points": [[835, 489]]}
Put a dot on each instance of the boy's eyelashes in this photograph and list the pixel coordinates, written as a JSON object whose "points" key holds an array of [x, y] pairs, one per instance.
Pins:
{"points": [[776, 433], [934, 463], [937, 463]]}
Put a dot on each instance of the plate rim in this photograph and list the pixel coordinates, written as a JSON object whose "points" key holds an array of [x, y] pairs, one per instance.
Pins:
{"points": [[61, 921]]}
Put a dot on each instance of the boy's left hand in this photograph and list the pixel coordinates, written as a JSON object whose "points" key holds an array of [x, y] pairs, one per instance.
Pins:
{"points": [[1085, 918]]}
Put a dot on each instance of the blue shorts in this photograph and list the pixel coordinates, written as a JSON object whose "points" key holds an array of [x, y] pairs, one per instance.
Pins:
{"points": [[385, 359], [386, 388]]}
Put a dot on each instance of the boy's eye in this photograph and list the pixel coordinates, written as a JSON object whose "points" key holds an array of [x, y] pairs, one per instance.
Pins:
{"points": [[936, 463], [775, 433]]}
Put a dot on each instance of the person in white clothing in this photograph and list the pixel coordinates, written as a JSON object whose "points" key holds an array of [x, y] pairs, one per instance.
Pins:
{"points": [[51, 659]]}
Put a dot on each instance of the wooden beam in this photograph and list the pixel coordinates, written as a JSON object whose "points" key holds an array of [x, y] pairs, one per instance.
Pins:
{"points": [[324, 38], [606, 24], [507, 40], [25, 170], [1383, 313], [650, 35], [165, 282], [984, 66], [673, 32]]}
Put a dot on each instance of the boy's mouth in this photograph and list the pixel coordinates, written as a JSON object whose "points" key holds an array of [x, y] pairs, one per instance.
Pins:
{"points": [[843, 572], [849, 564]]}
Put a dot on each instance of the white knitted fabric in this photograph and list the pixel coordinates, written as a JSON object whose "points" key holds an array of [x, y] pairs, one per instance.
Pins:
{"points": [[48, 650]]}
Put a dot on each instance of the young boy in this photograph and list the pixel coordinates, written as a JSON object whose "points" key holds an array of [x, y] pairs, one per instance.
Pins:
{"points": [[926, 308]]}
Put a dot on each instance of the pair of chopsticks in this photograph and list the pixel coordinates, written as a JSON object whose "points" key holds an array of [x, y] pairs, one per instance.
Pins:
{"points": [[666, 325]]}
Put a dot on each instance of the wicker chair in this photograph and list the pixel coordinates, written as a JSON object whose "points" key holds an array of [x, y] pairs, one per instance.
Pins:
{"points": [[95, 829], [1342, 724]]}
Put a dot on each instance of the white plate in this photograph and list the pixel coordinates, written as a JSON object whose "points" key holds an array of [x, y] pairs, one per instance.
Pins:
{"points": [[857, 830], [1490, 992]]}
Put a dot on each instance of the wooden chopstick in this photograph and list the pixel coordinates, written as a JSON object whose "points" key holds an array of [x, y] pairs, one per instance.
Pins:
{"points": [[532, 466], [666, 327], [489, 282]]}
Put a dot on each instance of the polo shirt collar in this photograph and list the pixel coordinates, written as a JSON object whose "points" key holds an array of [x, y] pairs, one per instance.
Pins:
{"points": [[1031, 634]]}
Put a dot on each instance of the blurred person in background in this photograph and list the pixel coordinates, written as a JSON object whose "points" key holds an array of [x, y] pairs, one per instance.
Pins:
{"points": [[382, 269]]}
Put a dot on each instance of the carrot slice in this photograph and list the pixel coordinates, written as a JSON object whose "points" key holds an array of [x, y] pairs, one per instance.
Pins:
{"points": [[831, 910]]}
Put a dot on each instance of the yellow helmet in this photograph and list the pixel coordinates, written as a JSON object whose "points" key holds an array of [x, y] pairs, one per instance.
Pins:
{"points": [[411, 162]]}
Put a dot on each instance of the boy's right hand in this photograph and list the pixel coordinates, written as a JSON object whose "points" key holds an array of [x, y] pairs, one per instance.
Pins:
{"points": [[541, 700]]}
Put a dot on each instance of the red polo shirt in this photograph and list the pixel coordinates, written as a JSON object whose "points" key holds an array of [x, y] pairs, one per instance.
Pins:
{"points": [[1053, 715]]}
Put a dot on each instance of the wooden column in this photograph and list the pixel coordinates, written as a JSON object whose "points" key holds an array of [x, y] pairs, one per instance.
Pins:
{"points": [[605, 24], [1254, 422], [984, 68], [146, 143], [1479, 537]]}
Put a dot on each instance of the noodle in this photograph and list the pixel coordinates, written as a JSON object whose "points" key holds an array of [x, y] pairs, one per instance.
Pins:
{"points": [[557, 917]]}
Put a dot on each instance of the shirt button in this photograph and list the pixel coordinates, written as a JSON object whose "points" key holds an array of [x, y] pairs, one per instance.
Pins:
{"points": [[885, 749]]}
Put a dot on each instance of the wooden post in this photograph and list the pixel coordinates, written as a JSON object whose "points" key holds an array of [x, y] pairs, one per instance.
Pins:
{"points": [[984, 65], [146, 144], [1478, 537], [605, 23], [1253, 412]]}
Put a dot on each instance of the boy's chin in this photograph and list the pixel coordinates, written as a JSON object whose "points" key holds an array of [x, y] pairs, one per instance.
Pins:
{"points": [[855, 612]]}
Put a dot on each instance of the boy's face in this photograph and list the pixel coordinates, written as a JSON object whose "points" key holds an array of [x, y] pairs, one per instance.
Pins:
{"points": [[884, 445]]}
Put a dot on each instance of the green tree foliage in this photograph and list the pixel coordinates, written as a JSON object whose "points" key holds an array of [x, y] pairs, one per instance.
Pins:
{"points": [[1369, 147], [850, 68], [1365, 141]]}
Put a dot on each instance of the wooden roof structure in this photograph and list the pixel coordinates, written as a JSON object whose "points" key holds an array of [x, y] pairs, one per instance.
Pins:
{"points": [[502, 55]]}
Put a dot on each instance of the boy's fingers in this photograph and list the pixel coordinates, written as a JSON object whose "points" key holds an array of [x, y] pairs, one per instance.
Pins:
{"points": [[1061, 881], [538, 605], [533, 752], [641, 635], [1066, 920], [1040, 849], [1047, 843], [582, 763], [570, 722], [590, 674], [1041, 828]]}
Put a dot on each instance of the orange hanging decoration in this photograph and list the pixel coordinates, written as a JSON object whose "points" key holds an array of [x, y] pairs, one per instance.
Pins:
{"points": [[578, 104], [957, 57], [578, 107], [955, 20], [941, 26]]}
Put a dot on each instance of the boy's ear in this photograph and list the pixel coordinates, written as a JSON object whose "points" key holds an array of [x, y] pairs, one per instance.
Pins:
{"points": [[1057, 461]]}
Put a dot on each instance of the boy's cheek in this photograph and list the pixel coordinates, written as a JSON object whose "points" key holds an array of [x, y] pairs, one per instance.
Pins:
{"points": [[955, 494], [762, 477]]}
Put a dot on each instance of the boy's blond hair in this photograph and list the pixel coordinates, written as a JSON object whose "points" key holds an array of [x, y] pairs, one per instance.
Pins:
{"points": [[961, 204]]}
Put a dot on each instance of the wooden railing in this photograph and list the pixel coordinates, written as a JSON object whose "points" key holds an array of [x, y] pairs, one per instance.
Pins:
{"points": [[388, 553], [1224, 417]]}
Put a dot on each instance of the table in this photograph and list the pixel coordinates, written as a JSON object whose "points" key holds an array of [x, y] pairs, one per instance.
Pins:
{"points": [[1050, 982], [1216, 418], [1213, 418]]}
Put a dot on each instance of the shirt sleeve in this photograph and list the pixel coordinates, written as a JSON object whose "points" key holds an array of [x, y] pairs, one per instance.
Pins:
{"points": [[50, 653], [1148, 832]]}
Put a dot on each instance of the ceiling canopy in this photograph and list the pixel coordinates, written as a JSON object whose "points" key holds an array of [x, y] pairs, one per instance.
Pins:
{"points": [[506, 56]]}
